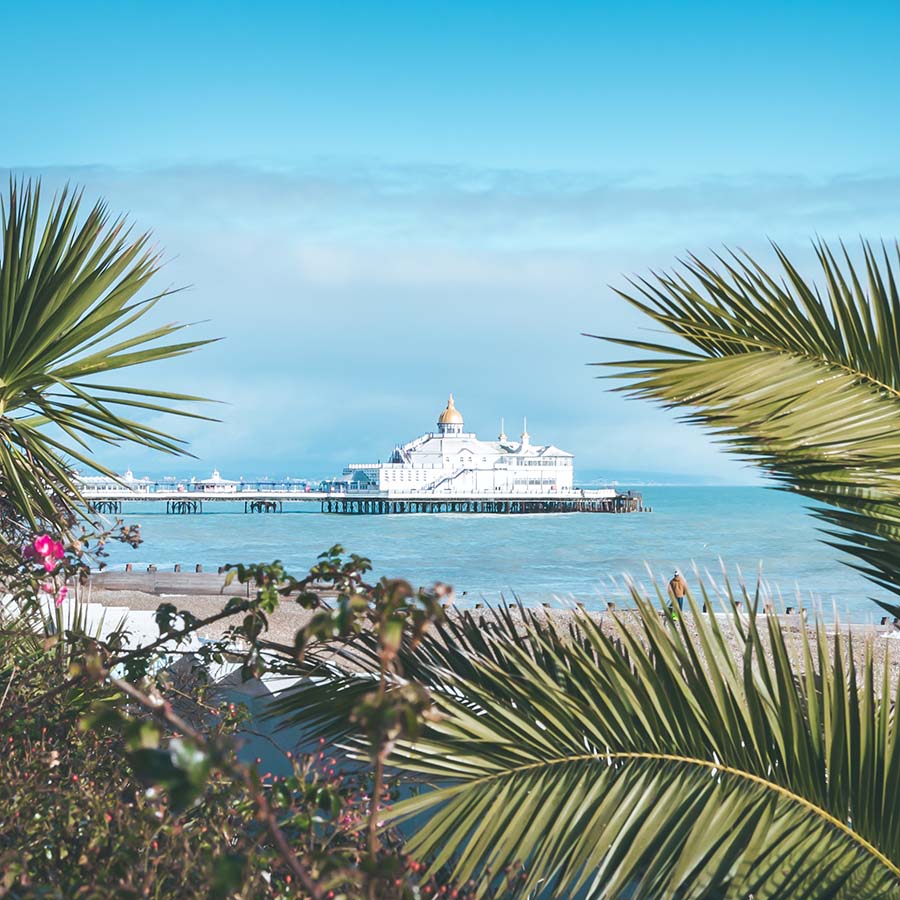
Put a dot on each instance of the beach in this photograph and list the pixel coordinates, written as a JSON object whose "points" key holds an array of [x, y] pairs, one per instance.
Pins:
{"points": [[289, 617]]}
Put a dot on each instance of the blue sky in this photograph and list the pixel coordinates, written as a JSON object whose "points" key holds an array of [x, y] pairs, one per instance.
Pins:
{"points": [[375, 204]]}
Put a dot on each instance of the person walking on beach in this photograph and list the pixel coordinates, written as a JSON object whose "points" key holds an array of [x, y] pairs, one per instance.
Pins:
{"points": [[677, 589]]}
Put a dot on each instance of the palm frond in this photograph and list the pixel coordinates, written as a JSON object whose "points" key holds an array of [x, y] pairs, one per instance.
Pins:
{"points": [[802, 382], [67, 294], [333, 680], [720, 759]]}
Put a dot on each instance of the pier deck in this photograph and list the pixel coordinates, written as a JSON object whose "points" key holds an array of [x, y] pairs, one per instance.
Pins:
{"points": [[271, 499]]}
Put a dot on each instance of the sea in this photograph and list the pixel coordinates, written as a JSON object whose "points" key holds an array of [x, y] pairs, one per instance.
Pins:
{"points": [[557, 559]]}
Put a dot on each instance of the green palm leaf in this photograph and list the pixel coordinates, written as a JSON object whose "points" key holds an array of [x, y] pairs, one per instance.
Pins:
{"points": [[804, 382], [722, 760], [67, 296], [332, 680]]}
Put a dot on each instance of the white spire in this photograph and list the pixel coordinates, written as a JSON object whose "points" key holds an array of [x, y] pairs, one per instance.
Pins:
{"points": [[502, 435], [526, 437]]}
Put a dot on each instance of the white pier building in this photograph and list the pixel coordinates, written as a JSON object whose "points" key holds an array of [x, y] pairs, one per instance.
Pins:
{"points": [[454, 462]]}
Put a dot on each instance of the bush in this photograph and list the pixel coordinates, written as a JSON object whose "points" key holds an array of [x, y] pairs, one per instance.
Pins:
{"points": [[121, 778]]}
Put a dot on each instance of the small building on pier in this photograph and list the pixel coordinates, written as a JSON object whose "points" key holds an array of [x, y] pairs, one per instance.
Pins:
{"points": [[126, 485], [215, 484], [451, 461]]}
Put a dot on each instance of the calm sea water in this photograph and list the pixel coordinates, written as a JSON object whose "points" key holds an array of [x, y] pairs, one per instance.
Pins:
{"points": [[540, 558]]}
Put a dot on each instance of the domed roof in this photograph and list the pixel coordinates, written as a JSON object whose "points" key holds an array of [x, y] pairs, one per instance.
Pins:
{"points": [[451, 415]]}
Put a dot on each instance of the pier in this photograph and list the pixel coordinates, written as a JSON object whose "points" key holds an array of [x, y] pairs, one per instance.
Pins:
{"points": [[449, 470], [269, 497]]}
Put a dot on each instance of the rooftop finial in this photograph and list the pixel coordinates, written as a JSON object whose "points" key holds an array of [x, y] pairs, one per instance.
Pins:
{"points": [[502, 435], [525, 435]]}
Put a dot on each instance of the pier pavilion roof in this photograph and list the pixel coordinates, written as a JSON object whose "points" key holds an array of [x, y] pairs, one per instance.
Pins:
{"points": [[444, 444], [214, 479]]}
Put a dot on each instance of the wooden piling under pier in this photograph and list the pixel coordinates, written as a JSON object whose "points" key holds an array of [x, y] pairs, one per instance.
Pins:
{"points": [[184, 507], [375, 506], [263, 506]]}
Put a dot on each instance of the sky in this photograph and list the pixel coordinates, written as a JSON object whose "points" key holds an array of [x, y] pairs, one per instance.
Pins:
{"points": [[377, 204]]}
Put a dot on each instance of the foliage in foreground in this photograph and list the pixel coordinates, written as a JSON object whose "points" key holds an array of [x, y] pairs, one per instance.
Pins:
{"points": [[680, 761], [99, 800], [642, 759], [75, 821], [803, 380], [715, 757], [68, 289], [121, 771], [702, 758]]}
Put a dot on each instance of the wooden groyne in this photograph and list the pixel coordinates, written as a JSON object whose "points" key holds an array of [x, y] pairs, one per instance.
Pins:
{"points": [[195, 583], [152, 581]]}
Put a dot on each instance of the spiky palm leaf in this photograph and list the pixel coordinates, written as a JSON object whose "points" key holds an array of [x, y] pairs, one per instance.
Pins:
{"points": [[67, 304], [332, 680], [803, 382], [674, 763]]}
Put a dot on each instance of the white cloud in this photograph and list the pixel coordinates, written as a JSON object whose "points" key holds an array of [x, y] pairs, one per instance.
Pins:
{"points": [[353, 296]]}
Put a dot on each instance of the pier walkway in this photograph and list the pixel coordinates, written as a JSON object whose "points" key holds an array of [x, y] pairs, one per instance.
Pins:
{"points": [[273, 497]]}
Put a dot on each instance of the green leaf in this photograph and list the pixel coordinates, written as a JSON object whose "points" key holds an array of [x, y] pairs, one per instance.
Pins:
{"points": [[182, 769], [62, 301], [657, 762]]}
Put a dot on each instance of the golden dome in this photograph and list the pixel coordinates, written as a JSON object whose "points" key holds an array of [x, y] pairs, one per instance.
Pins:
{"points": [[451, 415]]}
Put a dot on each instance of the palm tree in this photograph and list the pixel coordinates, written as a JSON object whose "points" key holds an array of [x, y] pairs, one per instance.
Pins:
{"points": [[68, 291], [804, 381]]}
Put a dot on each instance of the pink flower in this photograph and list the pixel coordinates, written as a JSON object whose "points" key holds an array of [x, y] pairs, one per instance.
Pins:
{"points": [[46, 587], [61, 595], [45, 548]]}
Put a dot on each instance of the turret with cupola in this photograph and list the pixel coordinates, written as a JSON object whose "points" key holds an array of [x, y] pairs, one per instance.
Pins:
{"points": [[450, 421], [453, 460]]}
